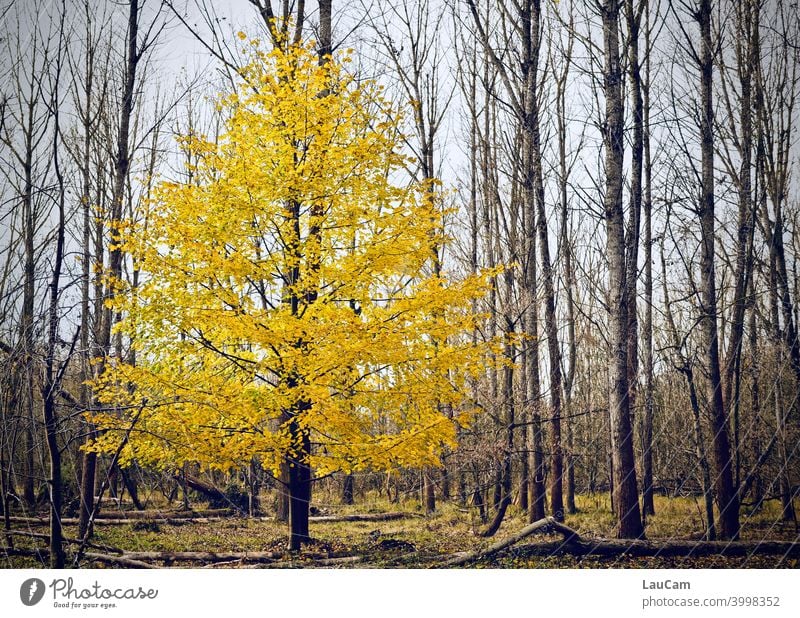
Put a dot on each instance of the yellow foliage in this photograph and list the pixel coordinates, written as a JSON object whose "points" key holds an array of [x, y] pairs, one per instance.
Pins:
{"points": [[288, 290]]}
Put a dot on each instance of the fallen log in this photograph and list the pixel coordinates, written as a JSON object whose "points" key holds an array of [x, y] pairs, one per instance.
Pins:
{"points": [[30, 521], [321, 562], [215, 496], [194, 514], [203, 556], [495, 524], [216, 565], [610, 548], [46, 537], [114, 521], [111, 519], [42, 556], [319, 519], [548, 523], [122, 561]]}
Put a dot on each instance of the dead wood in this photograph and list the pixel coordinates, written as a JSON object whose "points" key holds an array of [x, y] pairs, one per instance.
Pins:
{"points": [[609, 548], [156, 514], [321, 562], [548, 523], [203, 556], [204, 517], [362, 517], [497, 521], [46, 537], [42, 556], [122, 561]]}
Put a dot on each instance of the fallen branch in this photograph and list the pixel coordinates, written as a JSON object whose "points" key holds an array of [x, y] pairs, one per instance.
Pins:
{"points": [[203, 556], [607, 548], [362, 517], [122, 561], [42, 556], [30, 521], [111, 519], [216, 565], [497, 521], [46, 537], [548, 523], [322, 562], [117, 521], [164, 514]]}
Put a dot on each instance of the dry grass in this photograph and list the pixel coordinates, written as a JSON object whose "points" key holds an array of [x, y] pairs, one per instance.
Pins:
{"points": [[448, 531]]}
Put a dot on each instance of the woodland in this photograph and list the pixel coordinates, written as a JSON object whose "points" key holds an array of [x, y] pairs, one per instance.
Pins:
{"points": [[425, 283]]}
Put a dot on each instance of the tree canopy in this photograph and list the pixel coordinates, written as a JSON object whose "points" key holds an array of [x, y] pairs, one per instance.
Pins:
{"points": [[287, 289]]}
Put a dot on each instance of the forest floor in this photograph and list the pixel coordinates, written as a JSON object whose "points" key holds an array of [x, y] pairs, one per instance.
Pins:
{"points": [[424, 542]]}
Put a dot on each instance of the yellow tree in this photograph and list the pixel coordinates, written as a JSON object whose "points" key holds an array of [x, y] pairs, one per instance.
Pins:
{"points": [[288, 310]]}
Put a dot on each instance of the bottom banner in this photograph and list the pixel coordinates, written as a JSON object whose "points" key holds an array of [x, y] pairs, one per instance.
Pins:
{"points": [[353, 593]]}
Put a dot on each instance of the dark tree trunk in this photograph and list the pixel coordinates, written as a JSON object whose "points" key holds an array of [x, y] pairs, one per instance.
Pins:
{"points": [[282, 501], [633, 16], [648, 502], [537, 496], [625, 492], [51, 383], [121, 167], [784, 482], [551, 327], [429, 491], [727, 500], [445, 476], [347, 489], [133, 490], [708, 494], [26, 322], [530, 48], [747, 58], [299, 487]]}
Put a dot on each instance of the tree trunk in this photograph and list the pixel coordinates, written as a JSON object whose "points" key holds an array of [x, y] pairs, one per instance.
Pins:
{"points": [[785, 482], [633, 17], [299, 487], [51, 383], [428, 490], [536, 485], [537, 496], [708, 493], [26, 323], [347, 489], [648, 502], [282, 503], [121, 167], [534, 181], [727, 500], [625, 492], [747, 58]]}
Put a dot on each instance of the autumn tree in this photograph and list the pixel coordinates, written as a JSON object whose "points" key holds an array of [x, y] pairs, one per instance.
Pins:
{"points": [[287, 307]]}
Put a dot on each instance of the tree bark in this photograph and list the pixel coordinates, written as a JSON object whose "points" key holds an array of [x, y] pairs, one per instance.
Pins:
{"points": [[633, 17], [551, 326], [648, 502], [121, 167], [727, 500], [625, 492], [347, 489]]}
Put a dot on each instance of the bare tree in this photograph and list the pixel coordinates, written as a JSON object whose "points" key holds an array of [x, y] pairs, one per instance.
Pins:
{"points": [[727, 500], [625, 494]]}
